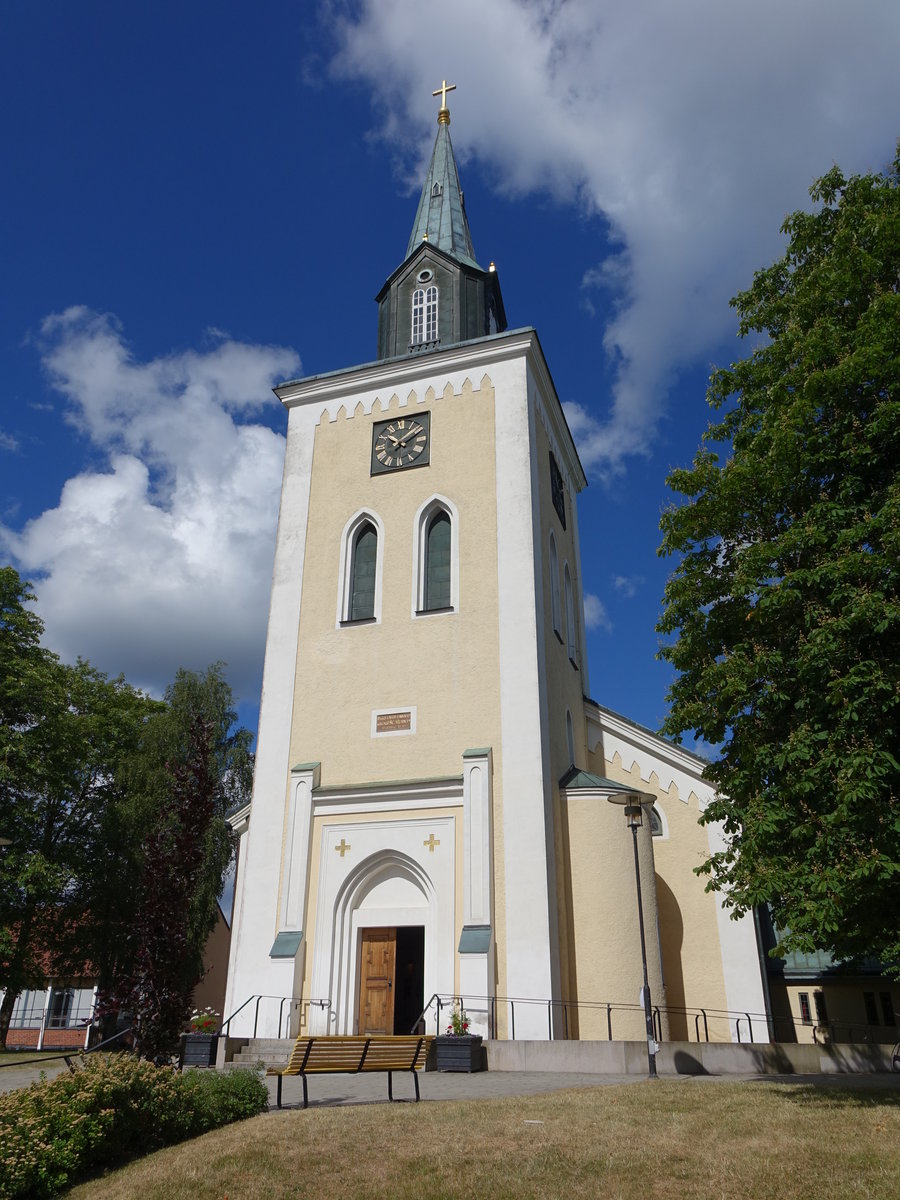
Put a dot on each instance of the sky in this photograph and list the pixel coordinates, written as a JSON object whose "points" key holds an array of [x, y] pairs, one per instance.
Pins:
{"points": [[199, 200]]}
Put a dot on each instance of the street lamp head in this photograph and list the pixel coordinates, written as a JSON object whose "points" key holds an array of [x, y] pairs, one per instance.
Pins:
{"points": [[633, 803]]}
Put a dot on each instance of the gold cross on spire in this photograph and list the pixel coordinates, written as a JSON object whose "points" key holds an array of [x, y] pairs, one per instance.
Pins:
{"points": [[444, 111]]}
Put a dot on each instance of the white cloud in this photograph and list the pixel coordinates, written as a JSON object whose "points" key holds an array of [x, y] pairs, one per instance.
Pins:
{"points": [[693, 127], [595, 614], [161, 555], [627, 585], [8, 442]]}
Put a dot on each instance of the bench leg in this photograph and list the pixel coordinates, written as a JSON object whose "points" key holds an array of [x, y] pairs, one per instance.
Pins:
{"points": [[305, 1093], [279, 1091], [390, 1085], [415, 1076]]}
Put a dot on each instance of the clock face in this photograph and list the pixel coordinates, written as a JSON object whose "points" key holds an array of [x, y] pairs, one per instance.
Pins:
{"points": [[400, 443]]}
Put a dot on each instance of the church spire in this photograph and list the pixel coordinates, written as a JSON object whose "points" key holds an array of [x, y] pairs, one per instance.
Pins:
{"points": [[439, 296], [441, 215]]}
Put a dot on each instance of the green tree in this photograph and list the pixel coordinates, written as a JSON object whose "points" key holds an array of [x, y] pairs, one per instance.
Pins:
{"points": [[65, 733], [783, 613], [194, 765]]}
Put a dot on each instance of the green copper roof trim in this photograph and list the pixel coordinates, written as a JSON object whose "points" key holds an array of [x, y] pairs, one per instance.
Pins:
{"points": [[306, 766], [441, 215], [380, 363], [387, 783], [286, 945], [475, 939], [483, 752], [575, 779]]}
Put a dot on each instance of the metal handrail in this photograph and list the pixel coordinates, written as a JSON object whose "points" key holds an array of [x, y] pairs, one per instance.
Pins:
{"points": [[282, 1000], [68, 1055]]}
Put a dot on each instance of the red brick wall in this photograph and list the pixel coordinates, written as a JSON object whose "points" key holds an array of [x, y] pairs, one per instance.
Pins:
{"points": [[22, 1039], [63, 1039]]}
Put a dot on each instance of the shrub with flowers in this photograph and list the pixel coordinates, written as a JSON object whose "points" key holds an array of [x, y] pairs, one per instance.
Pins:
{"points": [[113, 1109], [206, 1021], [459, 1022]]}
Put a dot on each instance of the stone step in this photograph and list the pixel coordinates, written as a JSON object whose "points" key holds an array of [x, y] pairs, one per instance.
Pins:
{"points": [[272, 1052]]}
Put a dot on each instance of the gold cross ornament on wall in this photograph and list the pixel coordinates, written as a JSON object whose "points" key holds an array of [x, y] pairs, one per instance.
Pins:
{"points": [[342, 847], [431, 843]]}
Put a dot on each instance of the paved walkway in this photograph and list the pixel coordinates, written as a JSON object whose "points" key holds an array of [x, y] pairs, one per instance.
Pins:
{"points": [[14, 1077], [440, 1085], [331, 1090]]}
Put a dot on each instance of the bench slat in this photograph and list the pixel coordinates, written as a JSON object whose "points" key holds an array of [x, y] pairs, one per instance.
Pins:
{"points": [[351, 1054]]}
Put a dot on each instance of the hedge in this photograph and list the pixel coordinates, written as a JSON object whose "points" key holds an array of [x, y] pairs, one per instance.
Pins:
{"points": [[111, 1110]]}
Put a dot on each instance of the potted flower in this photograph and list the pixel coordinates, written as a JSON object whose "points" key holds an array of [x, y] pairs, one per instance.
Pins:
{"points": [[201, 1042], [457, 1049]]}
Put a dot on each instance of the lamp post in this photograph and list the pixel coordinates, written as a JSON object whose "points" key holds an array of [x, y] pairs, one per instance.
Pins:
{"points": [[634, 820]]}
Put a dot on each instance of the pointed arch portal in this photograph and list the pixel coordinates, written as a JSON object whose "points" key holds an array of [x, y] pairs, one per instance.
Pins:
{"points": [[384, 927]]}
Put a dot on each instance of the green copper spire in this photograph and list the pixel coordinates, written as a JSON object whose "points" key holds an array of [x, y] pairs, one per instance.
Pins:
{"points": [[441, 216]]}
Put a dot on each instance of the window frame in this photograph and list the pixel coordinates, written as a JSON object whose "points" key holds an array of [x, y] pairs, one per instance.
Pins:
{"points": [[423, 518], [555, 599], [571, 628], [351, 529], [423, 314]]}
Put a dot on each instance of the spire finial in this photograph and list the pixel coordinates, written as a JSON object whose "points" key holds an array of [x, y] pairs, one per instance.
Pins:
{"points": [[444, 111]]}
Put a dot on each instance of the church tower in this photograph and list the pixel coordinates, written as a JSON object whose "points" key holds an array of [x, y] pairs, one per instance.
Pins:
{"points": [[423, 705]]}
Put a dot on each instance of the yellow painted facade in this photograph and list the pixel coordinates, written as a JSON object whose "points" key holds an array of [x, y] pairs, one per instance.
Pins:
{"points": [[390, 664]]}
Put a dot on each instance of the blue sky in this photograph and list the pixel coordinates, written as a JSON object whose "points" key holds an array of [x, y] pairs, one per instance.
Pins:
{"points": [[200, 200]]}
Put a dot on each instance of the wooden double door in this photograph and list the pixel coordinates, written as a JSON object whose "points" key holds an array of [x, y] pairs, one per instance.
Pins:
{"points": [[391, 979]]}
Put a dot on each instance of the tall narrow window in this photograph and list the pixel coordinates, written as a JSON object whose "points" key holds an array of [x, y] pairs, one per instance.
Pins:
{"points": [[362, 573], [418, 317], [554, 587], [436, 557], [431, 314], [821, 1010], [872, 1017], [570, 738], [887, 1008], [437, 562], [571, 641]]}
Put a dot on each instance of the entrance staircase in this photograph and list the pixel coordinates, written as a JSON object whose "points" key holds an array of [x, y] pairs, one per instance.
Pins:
{"points": [[271, 1052]]}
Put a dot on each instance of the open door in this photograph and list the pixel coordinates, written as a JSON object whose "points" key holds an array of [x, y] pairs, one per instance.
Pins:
{"points": [[376, 981]]}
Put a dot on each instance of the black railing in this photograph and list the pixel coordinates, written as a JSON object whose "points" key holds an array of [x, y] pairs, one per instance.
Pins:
{"points": [[68, 1055], [294, 1004], [744, 1027]]}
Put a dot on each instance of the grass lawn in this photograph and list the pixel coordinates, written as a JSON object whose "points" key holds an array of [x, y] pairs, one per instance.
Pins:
{"points": [[672, 1140], [25, 1057]]}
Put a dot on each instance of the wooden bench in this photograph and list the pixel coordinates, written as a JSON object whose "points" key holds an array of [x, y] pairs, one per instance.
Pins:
{"points": [[350, 1055]]}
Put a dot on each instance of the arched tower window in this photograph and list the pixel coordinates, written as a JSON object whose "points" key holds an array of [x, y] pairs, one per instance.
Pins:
{"points": [[362, 573], [424, 315], [554, 586], [437, 562], [571, 640], [436, 557], [359, 595], [570, 738]]}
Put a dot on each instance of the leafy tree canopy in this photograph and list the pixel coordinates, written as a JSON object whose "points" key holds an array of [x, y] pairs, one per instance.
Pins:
{"points": [[65, 735], [783, 613], [192, 767], [113, 805]]}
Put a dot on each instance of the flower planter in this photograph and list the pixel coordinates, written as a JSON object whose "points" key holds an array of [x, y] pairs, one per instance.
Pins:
{"points": [[458, 1052], [199, 1049]]}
